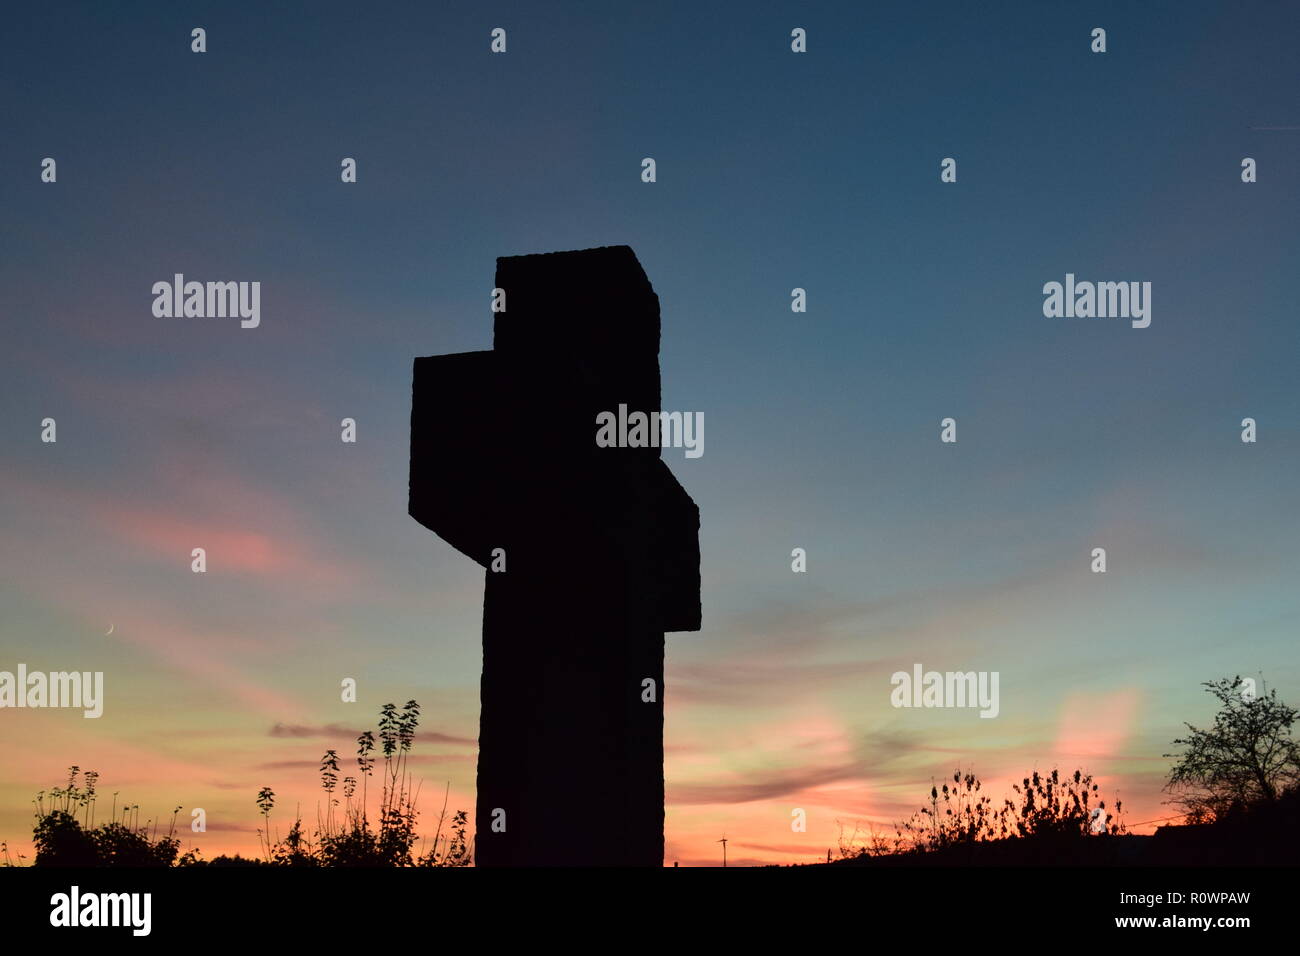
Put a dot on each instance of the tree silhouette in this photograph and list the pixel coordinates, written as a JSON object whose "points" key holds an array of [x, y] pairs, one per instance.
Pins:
{"points": [[1246, 759]]}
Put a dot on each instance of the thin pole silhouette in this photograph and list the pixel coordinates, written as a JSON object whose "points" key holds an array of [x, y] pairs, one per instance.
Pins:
{"points": [[723, 841]]}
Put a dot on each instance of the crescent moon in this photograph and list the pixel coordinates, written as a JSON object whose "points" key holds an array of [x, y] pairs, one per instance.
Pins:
{"points": [[110, 630]]}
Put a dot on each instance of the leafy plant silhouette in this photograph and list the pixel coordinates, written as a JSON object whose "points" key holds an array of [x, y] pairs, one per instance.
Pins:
{"points": [[346, 834]]}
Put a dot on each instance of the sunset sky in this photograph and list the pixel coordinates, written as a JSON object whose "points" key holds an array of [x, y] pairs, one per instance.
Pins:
{"points": [[775, 171]]}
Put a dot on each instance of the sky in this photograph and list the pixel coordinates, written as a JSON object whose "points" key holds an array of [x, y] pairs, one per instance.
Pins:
{"points": [[774, 171]]}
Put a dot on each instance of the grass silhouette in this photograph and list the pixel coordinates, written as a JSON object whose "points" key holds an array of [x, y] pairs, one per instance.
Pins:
{"points": [[1049, 808]]}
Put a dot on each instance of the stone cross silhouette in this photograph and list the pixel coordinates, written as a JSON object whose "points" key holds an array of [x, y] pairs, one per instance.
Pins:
{"points": [[592, 554]]}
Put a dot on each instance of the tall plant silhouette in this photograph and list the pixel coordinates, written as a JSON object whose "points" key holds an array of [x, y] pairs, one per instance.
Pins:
{"points": [[349, 837]]}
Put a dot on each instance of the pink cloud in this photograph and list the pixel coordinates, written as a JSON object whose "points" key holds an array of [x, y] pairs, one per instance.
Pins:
{"points": [[244, 529], [1096, 725]]}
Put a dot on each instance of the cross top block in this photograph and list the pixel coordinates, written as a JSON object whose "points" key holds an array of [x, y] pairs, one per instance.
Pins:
{"points": [[503, 442], [609, 333]]}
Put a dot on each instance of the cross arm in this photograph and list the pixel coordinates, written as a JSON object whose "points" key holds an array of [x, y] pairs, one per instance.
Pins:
{"points": [[675, 542], [458, 442]]}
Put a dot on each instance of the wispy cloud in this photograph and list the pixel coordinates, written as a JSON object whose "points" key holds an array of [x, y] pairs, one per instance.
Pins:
{"points": [[338, 730]]}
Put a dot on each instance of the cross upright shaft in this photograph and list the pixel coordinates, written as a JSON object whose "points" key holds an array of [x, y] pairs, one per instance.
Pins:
{"points": [[601, 553]]}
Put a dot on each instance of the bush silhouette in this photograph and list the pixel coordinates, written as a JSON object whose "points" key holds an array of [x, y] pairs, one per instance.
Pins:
{"points": [[63, 840]]}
